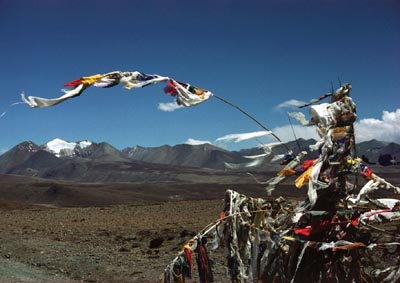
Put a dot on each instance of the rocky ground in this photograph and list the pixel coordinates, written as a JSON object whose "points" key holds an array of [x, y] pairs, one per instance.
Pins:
{"points": [[57, 232], [126, 243]]}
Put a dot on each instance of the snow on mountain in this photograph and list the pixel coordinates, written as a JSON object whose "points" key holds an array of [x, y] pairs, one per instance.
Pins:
{"points": [[62, 148]]}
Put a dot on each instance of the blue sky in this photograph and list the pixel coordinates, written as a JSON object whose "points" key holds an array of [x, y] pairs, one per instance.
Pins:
{"points": [[256, 54]]}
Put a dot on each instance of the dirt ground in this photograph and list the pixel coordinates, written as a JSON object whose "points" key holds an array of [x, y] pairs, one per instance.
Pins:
{"points": [[126, 243], [106, 233], [122, 232]]}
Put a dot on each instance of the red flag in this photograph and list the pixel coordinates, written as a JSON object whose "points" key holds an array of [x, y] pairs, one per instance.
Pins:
{"points": [[74, 83]]}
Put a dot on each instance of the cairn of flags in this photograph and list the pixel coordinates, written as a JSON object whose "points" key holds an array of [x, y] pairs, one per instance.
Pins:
{"points": [[339, 233]]}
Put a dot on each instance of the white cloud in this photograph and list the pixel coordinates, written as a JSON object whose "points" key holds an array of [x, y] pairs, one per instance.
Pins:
{"points": [[242, 137], [285, 133], [3, 150], [292, 103], [387, 129], [196, 142], [168, 106]]}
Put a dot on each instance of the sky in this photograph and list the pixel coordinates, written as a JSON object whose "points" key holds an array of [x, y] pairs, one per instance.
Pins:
{"points": [[263, 56]]}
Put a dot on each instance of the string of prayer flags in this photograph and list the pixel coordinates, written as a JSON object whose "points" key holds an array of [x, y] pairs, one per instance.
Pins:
{"points": [[328, 237], [79, 85], [186, 94]]}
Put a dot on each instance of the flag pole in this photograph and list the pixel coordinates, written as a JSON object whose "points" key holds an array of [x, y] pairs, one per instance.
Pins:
{"points": [[255, 120]]}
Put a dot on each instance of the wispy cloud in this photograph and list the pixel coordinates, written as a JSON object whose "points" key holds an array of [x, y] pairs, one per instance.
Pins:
{"points": [[3, 150], [8, 108], [385, 129], [195, 142], [242, 137], [292, 103], [168, 106]]}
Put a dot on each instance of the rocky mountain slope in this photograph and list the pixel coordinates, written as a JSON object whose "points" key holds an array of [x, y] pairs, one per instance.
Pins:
{"points": [[87, 161], [203, 156]]}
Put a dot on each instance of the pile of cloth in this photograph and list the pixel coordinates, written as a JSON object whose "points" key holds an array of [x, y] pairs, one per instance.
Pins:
{"points": [[339, 233]]}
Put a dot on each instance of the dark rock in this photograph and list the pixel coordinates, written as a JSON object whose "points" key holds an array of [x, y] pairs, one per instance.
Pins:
{"points": [[123, 249], [156, 242], [186, 233]]}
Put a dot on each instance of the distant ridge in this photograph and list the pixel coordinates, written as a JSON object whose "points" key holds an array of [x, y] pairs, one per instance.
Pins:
{"points": [[202, 156], [88, 161], [373, 149], [83, 149], [17, 155]]}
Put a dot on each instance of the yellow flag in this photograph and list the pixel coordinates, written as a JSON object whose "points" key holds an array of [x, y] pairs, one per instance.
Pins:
{"points": [[286, 172], [91, 80], [303, 178]]}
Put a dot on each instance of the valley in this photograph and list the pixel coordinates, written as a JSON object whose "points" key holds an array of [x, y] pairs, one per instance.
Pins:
{"points": [[102, 216]]}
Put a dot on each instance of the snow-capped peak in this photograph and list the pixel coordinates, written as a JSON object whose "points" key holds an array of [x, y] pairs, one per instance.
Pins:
{"points": [[61, 147], [84, 144]]}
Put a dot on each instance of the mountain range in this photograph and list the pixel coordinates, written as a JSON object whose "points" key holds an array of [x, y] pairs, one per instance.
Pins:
{"points": [[87, 161]]}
